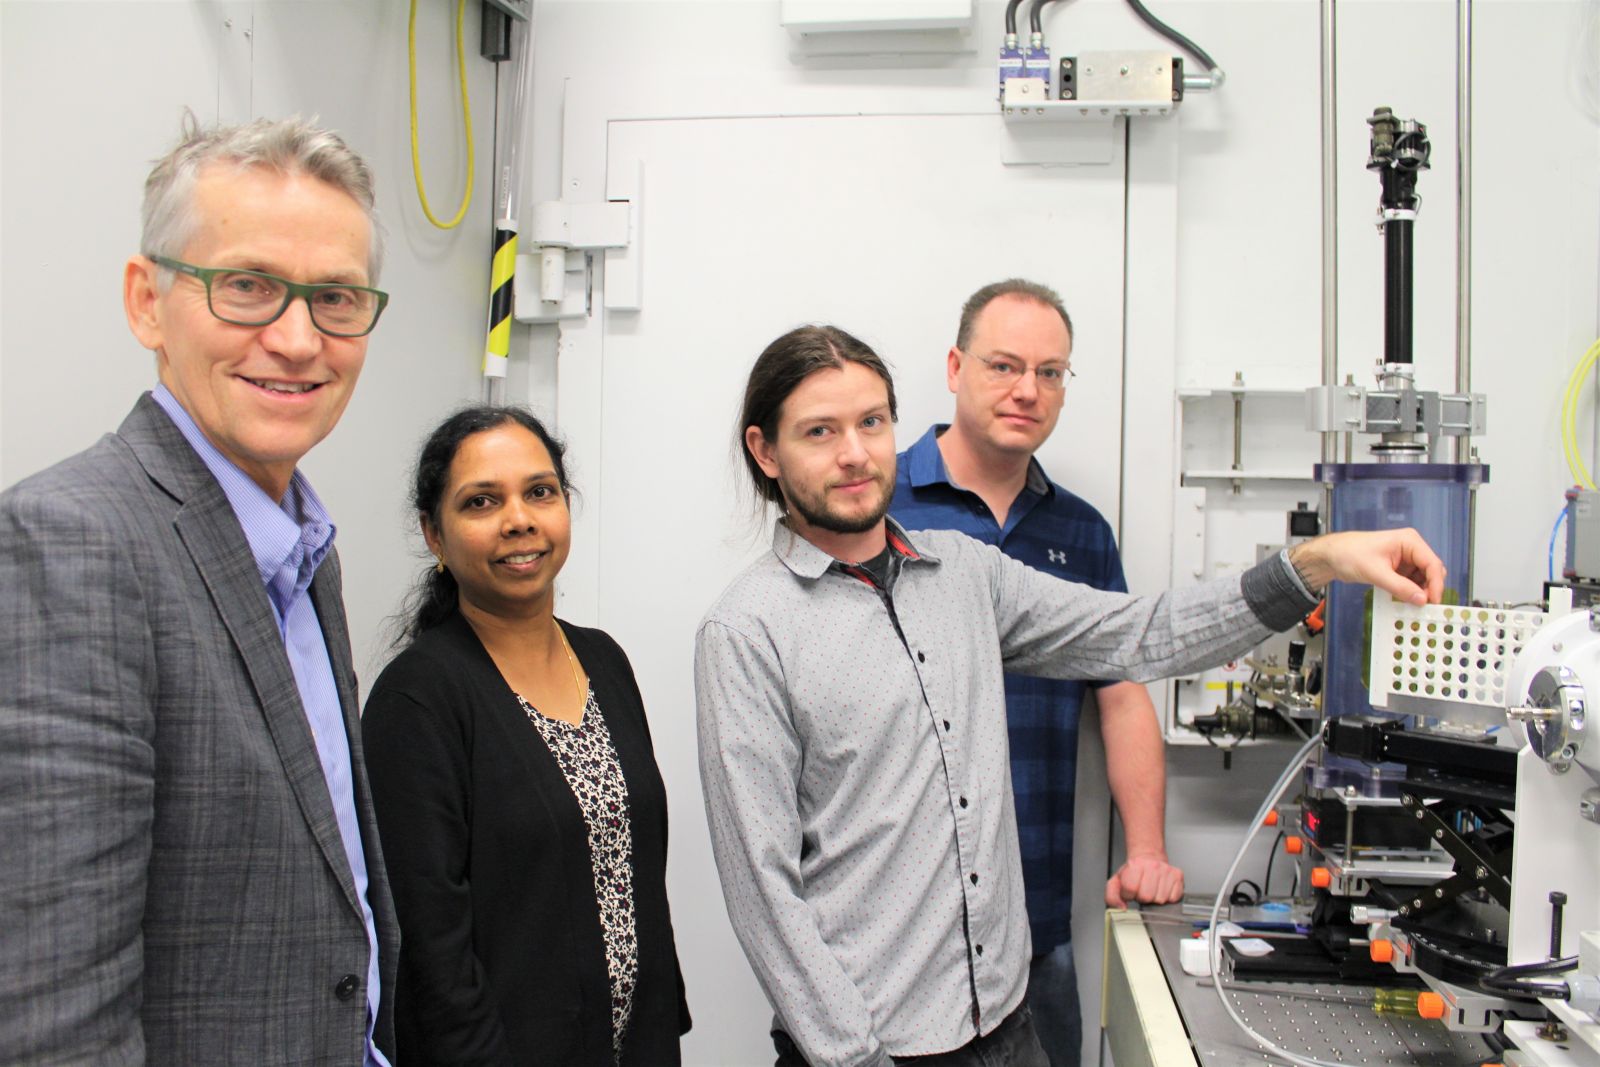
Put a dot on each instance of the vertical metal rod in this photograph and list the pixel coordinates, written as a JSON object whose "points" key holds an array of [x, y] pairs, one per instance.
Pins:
{"points": [[1330, 215], [1464, 450], [1464, 212], [1238, 429]]}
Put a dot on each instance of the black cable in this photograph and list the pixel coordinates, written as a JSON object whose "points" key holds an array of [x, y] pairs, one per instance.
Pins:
{"points": [[1173, 35], [1035, 15], [1518, 980], [1241, 899], [1529, 987], [1011, 16], [1535, 967]]}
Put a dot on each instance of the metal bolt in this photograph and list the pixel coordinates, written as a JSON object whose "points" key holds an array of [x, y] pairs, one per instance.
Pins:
{"points": [[1481, 873], [248, 34], [1589, 805], [1417, 903], [1123, 71], [1553, 1031], [1176, 95], [1438, 835], [227, 24], [1066, 64], [1438, 894]]}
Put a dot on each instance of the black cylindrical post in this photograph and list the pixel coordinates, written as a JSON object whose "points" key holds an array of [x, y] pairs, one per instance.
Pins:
{"points": [[1397, 264]]}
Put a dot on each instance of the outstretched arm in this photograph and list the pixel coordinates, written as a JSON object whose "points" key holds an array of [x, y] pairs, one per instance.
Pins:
{"points": [[1396, 561]]}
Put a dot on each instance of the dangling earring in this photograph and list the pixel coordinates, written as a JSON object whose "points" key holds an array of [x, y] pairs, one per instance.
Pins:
{"points": [[438, 568]]}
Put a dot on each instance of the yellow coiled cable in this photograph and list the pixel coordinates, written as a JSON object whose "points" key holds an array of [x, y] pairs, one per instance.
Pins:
{"points": [[1569, 416], [466, 117]]}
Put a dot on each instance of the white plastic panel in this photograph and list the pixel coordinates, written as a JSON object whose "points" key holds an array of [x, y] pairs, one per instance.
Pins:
{"points": [[1444, 653]]}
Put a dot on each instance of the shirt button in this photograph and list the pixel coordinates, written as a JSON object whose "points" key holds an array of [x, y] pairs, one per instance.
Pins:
{"points": [[974, 879], [921, 658], [963, 802], [346, 987], [947, 726]]}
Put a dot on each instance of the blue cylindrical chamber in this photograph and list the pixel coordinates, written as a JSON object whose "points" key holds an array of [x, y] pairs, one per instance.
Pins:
{"points": [[1433, 498]]}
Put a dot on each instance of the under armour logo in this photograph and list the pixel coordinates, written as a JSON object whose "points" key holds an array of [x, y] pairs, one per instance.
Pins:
{"points": [[1056, 557]]}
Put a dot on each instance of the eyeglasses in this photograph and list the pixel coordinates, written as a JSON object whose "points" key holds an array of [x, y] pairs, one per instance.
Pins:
{"points": [[1006, 371], [251, 298]]}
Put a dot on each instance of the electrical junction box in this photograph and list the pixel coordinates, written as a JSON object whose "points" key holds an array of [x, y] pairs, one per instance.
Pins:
{"points": [[1146, 77], [866, 16], [1583, 534]]}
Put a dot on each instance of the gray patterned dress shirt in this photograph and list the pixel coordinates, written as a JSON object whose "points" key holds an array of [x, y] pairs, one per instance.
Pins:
{"points": [[857, 782]]}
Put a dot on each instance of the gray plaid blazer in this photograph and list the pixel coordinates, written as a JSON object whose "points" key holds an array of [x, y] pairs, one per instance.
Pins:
{"points": [[172, 884]]}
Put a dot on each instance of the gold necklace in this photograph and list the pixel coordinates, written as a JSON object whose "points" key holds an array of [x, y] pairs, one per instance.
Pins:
{"points": [[572, 661]]}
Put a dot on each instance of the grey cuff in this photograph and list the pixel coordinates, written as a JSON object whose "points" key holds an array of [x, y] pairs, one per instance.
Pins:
{"points": [[1276, 594]]}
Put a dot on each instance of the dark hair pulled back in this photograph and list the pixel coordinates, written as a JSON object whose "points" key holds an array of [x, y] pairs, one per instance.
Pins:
{"points": [[435, 597], [779, 370]]}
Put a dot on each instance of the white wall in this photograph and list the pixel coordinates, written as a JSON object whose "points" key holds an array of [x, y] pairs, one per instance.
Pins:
{"points": [[1221, 266]]}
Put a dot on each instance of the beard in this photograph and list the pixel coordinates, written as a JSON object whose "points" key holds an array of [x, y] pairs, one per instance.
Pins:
{"points": [[817, 513]]}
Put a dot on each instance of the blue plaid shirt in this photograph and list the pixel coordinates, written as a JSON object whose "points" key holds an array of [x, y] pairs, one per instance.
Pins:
{"points": [[1054, 531]]}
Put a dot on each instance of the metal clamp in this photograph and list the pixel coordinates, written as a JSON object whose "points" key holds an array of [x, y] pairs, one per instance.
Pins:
{"points": [[1554, 716]]}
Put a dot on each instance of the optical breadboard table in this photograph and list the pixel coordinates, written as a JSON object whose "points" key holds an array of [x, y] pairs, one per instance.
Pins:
{"points": [[1155, 1015]]}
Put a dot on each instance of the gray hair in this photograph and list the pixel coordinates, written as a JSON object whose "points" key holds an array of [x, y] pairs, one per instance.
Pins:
{"points": [[290, 146], [1018, 287]]}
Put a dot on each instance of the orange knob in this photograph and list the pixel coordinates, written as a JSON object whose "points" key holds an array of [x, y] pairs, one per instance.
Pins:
{"points": [[1381, 951], [1271, 819], [1293, 845], [1321, 877], [1430, 1005]]}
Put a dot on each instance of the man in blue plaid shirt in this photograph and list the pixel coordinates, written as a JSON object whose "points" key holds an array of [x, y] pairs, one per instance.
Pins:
{"points": [[1008, 370]]}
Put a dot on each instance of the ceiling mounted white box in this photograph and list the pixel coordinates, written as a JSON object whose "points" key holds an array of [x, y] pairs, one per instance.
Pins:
{"points": [[847, 16]]}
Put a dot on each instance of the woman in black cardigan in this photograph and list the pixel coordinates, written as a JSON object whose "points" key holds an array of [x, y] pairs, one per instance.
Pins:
{"points": [[522, 817]]}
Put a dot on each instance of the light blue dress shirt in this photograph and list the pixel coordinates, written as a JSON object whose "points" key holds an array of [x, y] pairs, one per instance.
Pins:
{"points": [[289, 541]]}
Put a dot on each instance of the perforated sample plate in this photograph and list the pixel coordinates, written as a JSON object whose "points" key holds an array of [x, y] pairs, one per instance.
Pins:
{"points": [[1436, 656]]}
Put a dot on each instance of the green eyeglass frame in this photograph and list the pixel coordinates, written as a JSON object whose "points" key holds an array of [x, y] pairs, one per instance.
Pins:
{"points": [[292, 291]]}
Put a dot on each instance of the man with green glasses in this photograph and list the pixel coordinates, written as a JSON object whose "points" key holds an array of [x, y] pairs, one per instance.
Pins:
{"points": [[192, 869]]}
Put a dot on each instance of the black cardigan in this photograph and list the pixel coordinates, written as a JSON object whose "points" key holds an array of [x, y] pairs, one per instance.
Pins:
{"points": [[502, 960]]}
